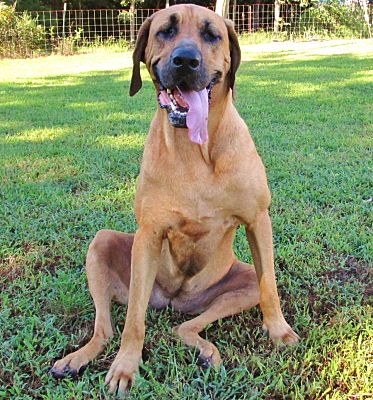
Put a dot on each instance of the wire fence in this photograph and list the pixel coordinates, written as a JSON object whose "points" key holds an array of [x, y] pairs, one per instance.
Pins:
{"points": [[91, 26], [67, 31], [295, 21]]}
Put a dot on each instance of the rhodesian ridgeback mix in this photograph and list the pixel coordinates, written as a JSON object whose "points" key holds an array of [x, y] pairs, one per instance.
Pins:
{"points": [[200, 178]]}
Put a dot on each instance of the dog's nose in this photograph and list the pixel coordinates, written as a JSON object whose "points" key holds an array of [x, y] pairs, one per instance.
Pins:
{"points": [[186, 59]]}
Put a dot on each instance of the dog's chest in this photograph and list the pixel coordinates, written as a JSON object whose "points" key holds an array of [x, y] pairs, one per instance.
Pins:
{"points": [[194, 211], [175, 193], [191, 242]]}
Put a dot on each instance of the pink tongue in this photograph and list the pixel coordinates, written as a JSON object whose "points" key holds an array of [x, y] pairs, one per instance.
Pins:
{"points": [[196, 119]]}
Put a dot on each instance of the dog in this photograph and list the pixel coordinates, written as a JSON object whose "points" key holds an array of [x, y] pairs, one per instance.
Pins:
{"points": [[200, 178]]}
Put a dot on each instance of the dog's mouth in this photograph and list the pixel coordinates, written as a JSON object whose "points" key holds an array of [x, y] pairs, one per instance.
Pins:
{"points": [[188, 109]]}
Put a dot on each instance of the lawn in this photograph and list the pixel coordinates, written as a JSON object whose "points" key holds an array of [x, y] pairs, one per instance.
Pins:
{"points": [[70, 148]]}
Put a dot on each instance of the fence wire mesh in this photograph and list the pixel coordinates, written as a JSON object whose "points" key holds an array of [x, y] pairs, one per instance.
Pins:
{"points": [[297, 21], [66, 31]]}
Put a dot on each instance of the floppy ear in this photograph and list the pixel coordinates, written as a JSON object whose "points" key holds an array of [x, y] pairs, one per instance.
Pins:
{"points": [[139, 55], [235, 53]]}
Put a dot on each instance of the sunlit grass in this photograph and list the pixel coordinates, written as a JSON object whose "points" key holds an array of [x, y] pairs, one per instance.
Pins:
{"points": [[70, 150]]}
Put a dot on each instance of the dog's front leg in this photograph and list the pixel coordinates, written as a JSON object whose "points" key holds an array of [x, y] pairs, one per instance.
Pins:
{"points": [[259, 235], [146, 252]]}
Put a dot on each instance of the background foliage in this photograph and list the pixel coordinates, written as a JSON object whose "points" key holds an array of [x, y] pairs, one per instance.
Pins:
{"points": [[20, 34], [344, 19]]}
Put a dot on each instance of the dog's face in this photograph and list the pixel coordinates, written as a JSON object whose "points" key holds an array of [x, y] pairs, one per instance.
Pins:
{"points": [[187, 49]]}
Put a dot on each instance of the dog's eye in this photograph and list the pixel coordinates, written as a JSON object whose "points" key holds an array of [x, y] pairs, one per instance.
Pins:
{"points": [[167, 33], [210, 37]]}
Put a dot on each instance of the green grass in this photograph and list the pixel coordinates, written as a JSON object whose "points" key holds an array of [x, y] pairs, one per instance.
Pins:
{"points": [[70, 149]]}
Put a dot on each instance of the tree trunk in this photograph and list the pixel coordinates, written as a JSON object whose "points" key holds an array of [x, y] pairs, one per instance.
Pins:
{"points": [[132, 21], [222, 8], [276, 23], [64, 26], [364, 6], [234, 12]]}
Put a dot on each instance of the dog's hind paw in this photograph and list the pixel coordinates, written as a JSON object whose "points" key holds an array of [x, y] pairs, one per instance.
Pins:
{"points": [[204, 362], [209, 356]]}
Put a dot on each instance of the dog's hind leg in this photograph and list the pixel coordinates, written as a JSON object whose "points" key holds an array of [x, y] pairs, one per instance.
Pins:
{"points": [[238, 291], [108, 271]]}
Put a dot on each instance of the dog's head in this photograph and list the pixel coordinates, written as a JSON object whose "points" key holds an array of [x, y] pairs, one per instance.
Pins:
{"points": [[187, 49]]}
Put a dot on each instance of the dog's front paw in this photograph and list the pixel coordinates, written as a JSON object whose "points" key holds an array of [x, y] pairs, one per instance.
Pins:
{"points": [[71, 365], [122, 373], [280, 332]]}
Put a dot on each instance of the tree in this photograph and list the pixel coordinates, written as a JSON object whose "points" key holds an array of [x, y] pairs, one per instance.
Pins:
{"points": [[276, 22], [364, 6], [131, 16], [222, 7]]}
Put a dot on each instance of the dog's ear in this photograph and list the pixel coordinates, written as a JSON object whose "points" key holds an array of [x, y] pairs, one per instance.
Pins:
{"points": [[139, 55], [235, 52]]}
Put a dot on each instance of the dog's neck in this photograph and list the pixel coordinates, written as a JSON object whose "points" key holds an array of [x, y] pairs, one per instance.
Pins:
{"points": [[221, 99]]}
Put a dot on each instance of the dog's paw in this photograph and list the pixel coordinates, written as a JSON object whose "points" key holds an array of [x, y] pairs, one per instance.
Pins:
{"points": [[64, 372], [204, 362], [280, 332], [122, 374], [209, 356], [71, 365]]}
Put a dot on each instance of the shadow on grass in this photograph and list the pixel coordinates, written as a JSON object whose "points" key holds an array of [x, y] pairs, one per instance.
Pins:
{"points": [[70, 135], [70, 101]]}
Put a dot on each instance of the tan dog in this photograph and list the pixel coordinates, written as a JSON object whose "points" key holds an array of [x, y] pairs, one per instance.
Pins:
{"points": [[200, 178]]}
